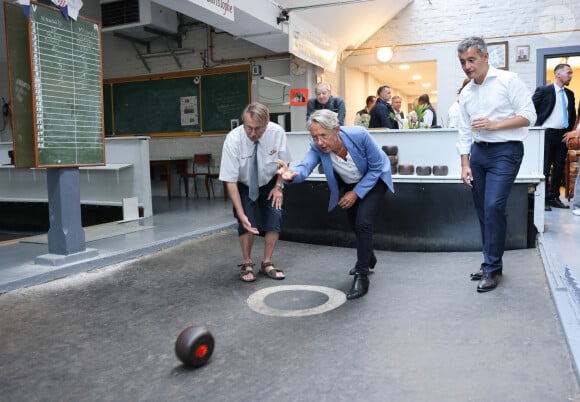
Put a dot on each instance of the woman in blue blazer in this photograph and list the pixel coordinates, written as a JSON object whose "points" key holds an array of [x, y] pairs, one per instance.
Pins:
{"points": [[358, 173]]}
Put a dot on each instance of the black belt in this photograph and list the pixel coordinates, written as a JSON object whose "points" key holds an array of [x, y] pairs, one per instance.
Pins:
{"points": [[556, 130], [489, 144]]}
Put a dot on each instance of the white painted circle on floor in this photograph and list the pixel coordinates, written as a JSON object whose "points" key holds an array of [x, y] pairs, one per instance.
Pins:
{"points": [[256, 301]]}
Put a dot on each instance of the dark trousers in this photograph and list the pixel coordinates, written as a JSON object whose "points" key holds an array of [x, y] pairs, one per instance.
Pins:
{"points": [[494, 168], [361, 218], [554, 155]]}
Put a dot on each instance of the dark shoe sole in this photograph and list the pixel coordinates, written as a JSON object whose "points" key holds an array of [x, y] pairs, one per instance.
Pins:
{"points": [[480, 290], [354, 297]]}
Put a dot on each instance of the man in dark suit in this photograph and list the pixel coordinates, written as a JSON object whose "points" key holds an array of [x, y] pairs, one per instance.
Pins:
{"points": [[556, 112], [381, 112]]}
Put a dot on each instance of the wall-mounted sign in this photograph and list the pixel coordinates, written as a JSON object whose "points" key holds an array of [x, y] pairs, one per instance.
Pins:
{"points": [[312, 45], [225, 8], [299, 96]]}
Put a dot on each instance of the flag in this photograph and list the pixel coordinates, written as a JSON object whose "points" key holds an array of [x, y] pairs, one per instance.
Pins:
{"points": [[73, 7], [62, 4], [25, 4]]}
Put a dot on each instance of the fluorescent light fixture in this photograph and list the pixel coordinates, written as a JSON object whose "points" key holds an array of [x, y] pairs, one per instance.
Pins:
{"points": [[276, 81], [427, 85], [404, 67], [417, 77], [385, 54]]}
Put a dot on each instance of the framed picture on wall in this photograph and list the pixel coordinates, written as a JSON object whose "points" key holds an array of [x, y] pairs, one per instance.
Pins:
{"points": [[522, 53], [298, 96], [498, 54]]}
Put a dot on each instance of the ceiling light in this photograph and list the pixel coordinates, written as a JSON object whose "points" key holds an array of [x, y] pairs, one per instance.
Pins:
{"points": [[426, 85], [404, 66], [417, 77], [385, 54]]}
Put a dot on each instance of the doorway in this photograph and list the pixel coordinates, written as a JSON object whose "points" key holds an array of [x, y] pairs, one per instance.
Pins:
{"points": [[549, 58]]}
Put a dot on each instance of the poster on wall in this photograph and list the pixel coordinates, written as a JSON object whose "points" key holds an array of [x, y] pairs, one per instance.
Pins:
{"points": [[299, 96], [189, 115]]}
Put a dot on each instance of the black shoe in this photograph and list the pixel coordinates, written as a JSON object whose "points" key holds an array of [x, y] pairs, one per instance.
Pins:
{"points": [[372, 264], [476, 276], [489, 281], [556, 203], [359, 288], [547, 207]]}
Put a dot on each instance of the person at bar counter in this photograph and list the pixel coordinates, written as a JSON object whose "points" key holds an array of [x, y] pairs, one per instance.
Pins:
{"points": [[325, 100], [381, 113], [358, 173], [370, 102], [248, 169], [396, 102], [495, 109], [429, 116]]}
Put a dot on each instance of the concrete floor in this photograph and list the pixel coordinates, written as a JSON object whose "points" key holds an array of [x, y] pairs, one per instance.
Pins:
{"points": [[421, 334]]}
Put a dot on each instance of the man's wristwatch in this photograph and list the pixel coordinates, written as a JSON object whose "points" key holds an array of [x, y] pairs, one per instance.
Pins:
{"points": [[280, 186]]}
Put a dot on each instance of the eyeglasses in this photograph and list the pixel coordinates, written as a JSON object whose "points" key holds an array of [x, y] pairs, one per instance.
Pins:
{"points": [[257, 130], [321, 137]]}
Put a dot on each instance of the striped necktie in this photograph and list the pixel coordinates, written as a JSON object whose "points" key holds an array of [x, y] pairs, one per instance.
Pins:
{"points": [[253, 181], [564, 108]]}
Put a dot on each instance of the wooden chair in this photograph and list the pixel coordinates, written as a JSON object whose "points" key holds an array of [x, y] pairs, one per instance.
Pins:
{"points": [[201, 167]]}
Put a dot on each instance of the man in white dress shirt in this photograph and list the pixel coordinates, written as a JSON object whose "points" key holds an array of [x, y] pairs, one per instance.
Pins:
{"points": [[495, 109]]}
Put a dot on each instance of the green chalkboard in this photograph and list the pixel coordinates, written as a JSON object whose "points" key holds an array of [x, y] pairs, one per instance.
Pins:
{"points": [[223, 99], [66, 89], [169, 105], [107, 109], [197, 101], [20, 85]]}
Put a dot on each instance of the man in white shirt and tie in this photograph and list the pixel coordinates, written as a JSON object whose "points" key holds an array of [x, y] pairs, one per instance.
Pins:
{"points": [[556, 113], [249, 170]]}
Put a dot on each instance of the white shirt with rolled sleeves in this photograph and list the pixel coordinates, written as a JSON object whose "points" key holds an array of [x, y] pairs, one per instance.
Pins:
{"points": [[237, 154], [501, 96]]}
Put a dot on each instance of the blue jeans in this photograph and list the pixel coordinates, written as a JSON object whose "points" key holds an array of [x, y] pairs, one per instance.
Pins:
{"points": [[494, 168], [261, 213], [361, 218]]}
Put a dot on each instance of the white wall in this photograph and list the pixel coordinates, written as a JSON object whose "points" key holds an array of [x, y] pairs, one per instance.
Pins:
{"points": [[431, 31]]}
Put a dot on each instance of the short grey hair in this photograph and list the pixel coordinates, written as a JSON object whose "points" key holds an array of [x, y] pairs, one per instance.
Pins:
{"points": [[474, 41], [325, 117]]}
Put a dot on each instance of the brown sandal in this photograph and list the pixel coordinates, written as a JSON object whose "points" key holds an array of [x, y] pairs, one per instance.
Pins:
{"points": [[245, 271], [271, 273]]}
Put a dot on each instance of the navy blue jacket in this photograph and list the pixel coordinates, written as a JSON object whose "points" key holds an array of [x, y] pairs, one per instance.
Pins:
{"points": [[544, 99], [334, 104], [380, 116]]}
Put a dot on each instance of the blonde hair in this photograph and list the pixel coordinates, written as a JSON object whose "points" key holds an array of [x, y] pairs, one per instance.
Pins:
{"points": [[257, 112]]}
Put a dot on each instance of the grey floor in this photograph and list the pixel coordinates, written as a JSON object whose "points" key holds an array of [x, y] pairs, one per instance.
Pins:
{"points": [[106, 330]]}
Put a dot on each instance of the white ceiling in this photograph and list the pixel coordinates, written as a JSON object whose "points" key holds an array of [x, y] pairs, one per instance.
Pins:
{"points": [[349, 22], [404, 80], [352, 24]]}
